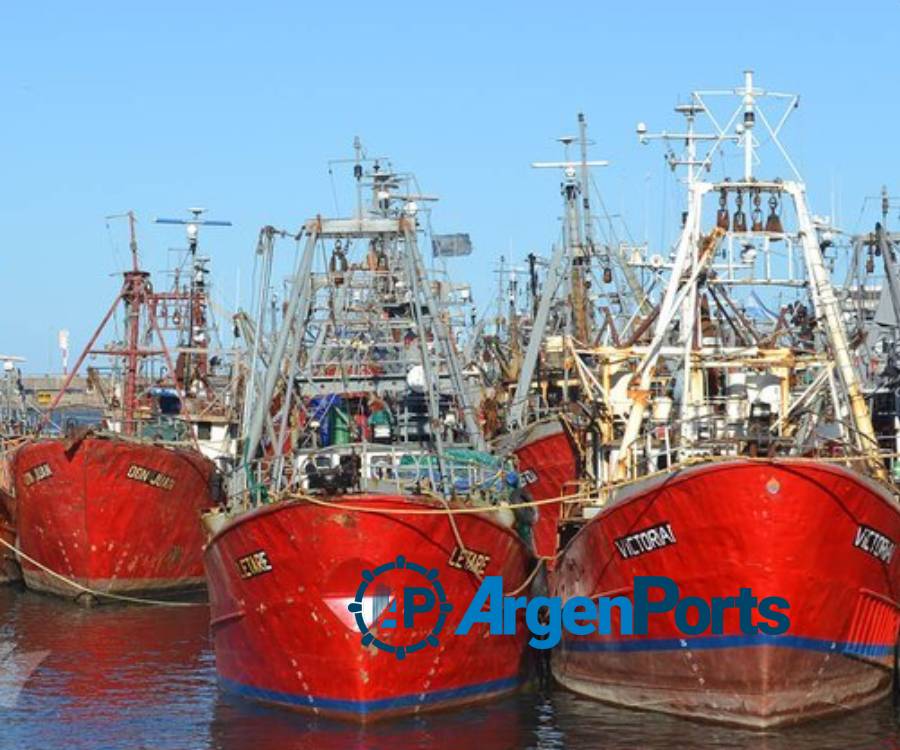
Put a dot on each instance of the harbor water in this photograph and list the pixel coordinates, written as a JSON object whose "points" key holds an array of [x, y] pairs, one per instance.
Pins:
{"points": [[144, 677]]}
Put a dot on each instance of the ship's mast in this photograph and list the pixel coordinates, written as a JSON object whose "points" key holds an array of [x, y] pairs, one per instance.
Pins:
{"points": [[749, 122], [693, 268], [887, 254], [12, 418], [132, 240], [585, 185], [197, 302], [578, 320], [135, 288], [568, 267], [137, 296]]}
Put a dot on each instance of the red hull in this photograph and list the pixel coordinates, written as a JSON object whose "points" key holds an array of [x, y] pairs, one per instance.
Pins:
{"points": [[112, 515], [781, 529], [286, 636], [549, 465]]}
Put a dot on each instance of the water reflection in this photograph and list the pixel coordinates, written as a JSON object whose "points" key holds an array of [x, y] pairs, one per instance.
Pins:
{"points": [[113, 676], [132, 677], [238, 725], [581, 723]]}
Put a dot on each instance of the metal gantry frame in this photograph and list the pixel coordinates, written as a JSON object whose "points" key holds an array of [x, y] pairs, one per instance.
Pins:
{"points": [[568, 265], [136, 296], [693, 254], [292, 354]]}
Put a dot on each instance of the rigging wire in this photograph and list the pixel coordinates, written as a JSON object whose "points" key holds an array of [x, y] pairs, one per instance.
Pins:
{"points": [[114, 246], [334, 195]]}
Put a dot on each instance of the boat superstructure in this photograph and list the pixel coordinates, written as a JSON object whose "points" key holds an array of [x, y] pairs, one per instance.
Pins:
{"points": [[872, 301], [206, 373]]}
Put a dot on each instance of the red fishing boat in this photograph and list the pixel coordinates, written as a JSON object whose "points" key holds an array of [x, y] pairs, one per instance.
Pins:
{"points": [[365, 467], [111, 514], [283, 578], [820, 536], [116, 508], [744, 459]]}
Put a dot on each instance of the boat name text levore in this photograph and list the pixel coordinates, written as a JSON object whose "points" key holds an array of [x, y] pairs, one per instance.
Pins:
{"points": [[469, 559], [36, 474], [254, 564], [150, 476], [875, 543], [646, 540]]}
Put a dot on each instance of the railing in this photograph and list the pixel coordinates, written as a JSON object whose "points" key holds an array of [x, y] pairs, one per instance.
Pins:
{"points": [[387, 468]]}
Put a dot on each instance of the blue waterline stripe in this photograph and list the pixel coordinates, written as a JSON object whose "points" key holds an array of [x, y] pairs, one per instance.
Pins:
{"points": [[729, 641], [371, 706]]}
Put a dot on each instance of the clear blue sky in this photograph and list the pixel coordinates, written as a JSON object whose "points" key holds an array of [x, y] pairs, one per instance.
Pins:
{"points": [[237, 107]]}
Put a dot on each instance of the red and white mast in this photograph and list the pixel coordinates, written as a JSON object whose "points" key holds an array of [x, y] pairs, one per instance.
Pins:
{"points": [[136, 295]]}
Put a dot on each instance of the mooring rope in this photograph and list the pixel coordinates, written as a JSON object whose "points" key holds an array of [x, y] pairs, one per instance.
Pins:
{"points": [[95, 592], [434, 511], [456, 532]]}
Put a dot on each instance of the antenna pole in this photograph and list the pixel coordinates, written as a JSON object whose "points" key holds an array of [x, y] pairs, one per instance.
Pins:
{"points": [[887, 256], [198, 297], [691, 145], [132, 244], [749, 121], [133, 294], [358, 173], [585, 184]]}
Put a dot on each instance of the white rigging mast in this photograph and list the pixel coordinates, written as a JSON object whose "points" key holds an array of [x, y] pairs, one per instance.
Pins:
{"points": [[694, 268]]}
